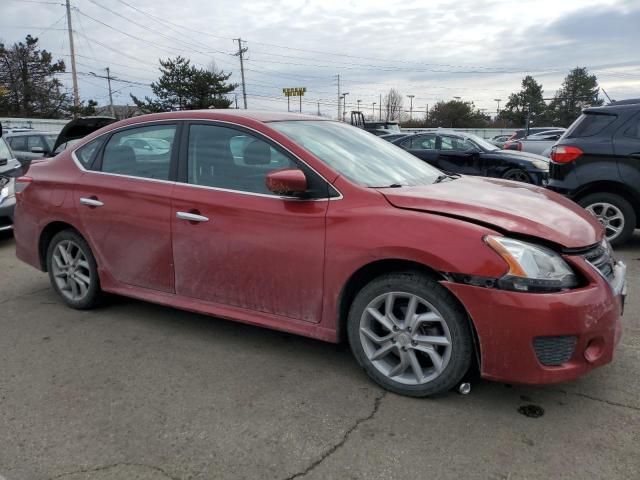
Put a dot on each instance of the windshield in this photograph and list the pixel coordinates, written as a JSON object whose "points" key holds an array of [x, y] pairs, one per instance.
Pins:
{"points": [[356, 154], [481, 142]]}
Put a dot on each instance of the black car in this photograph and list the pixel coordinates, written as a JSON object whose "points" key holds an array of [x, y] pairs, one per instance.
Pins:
{"points": [[597, 164], [469, 154]]}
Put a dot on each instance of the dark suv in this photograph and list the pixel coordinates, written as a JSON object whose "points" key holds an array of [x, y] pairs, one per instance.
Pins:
{"points": [[597, 164]]}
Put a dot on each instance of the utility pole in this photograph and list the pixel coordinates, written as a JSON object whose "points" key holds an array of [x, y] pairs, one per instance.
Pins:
{"points": [[113, 112], [380, 109], [373, 111], [236, 98], [74, 73], [359, 101], [427, 116], [241, 52], [318, 107], [411, 107], [338, 77]]}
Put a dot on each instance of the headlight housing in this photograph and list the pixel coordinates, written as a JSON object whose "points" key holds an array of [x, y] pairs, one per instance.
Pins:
{"points": [[532, 268], [8, 190]]}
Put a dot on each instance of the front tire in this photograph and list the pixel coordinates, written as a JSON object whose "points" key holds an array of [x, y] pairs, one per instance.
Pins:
{"points": [[517, 175], [410, 335], [72, 270], [614, 212]]}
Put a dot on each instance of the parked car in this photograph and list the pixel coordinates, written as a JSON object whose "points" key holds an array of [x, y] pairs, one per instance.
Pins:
{"points": [[390, 137], [30, 145], [9, 168], [597, 164], [469, 154], [522, 132], [499, 140], [327, 231], [77, 129], [538, 143]]}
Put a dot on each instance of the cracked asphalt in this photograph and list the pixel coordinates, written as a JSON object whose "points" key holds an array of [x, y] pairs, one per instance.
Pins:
{"points": [[138, 391]]}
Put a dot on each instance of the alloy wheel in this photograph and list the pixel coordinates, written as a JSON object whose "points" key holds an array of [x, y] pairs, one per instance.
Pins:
{"points": [[71, 271], [517, 175], [610, 216], [405, 338]]}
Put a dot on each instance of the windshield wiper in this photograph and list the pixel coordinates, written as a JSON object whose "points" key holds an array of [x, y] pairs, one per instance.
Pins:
{"points": [[446, 176]]}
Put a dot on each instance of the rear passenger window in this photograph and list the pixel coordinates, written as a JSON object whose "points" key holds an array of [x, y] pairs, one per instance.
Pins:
{"points": [[590, 124], [140, 152], [87, 153]]}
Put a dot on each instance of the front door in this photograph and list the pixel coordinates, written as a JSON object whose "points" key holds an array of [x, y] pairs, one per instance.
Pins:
{"points": [[236, 243], [459, 155], [124, 205]]}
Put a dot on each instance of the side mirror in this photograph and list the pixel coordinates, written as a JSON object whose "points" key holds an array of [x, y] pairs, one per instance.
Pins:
{"points": [[37, 150], [288, 181]]}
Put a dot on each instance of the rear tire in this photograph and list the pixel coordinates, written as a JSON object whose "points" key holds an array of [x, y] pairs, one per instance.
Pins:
{"points": [[72, 270], [410, 335], [614, 212]]}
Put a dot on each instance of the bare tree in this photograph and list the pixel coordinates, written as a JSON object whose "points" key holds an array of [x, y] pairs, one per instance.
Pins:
{"points": [[393, 104]]}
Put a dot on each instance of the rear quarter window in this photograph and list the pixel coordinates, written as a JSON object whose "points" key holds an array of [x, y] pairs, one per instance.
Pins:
{"points": [[87, 153], [590, 124]]}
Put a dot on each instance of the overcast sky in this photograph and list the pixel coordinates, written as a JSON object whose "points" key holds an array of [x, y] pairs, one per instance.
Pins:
{"points": [[434, 49]]}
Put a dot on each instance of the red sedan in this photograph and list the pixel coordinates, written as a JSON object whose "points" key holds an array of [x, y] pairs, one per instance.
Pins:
{"points": [[321, 229]]}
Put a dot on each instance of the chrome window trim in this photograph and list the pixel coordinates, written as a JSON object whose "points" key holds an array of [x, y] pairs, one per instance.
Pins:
{"points": [[241, 192]]}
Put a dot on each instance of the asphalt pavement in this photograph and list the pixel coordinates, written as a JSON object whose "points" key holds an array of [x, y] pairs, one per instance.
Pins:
{"points": [[142, 392]]}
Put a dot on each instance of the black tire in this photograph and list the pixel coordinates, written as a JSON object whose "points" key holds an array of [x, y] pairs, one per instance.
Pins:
{"points": [[622, 205], [461, 352], [517, 175], [92, 295]]}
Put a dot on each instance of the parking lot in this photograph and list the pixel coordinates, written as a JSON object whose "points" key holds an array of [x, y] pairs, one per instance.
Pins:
{"points": [[138, 391]]}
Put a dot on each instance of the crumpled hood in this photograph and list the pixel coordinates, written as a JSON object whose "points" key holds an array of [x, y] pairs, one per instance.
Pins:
{"points": [[510, 206]]}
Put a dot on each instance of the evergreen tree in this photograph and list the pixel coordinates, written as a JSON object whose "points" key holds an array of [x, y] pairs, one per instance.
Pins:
{"points": [[456, 114], [529, 98], [28, 87], [182, 86], [579, 90]]}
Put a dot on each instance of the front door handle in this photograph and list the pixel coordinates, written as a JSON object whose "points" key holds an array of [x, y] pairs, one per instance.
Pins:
{"points": [[91, 202], [191, 217]]}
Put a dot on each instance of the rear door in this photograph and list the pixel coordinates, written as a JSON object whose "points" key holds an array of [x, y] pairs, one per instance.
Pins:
{"points": [[422, 146], [626, 145], [235, 242], [124, 205]]}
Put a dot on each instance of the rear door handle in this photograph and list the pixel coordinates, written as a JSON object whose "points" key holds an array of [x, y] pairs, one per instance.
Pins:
{"points": [[91, 202], [191, 217]]}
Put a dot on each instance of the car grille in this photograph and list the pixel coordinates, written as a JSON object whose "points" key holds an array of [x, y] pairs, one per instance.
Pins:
{"points": [[554, 351], [600, 257]]}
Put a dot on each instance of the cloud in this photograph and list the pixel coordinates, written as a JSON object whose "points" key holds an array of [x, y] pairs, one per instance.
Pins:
{"points": [[435, 49]]}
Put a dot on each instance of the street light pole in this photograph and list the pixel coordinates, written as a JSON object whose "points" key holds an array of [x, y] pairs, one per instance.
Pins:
{"points": [[411, 107], [358, 104], [373, 111], [344, 106]]}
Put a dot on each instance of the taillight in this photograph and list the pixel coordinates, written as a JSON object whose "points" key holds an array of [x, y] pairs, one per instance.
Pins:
{"points": [[22, 183], [565, 154]]}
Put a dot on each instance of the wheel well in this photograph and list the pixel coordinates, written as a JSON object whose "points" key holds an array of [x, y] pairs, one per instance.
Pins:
{"points": [[381, 267], [45, 238], [614, 188]]}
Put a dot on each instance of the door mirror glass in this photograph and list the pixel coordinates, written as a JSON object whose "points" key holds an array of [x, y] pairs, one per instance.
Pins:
{"points": [[288, 181]]}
